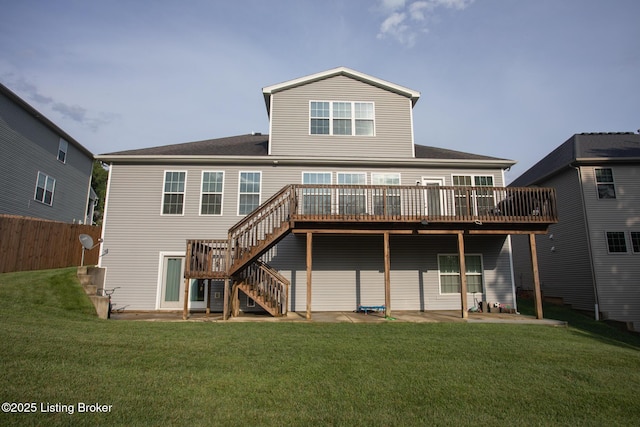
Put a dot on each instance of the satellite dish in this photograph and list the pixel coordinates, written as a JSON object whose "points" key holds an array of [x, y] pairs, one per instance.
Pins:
{"points": [[87, 244], [87, 241]]}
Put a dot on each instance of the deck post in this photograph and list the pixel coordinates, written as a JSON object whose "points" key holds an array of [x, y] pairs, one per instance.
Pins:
{"points": [[309, 270], [225, 303], [185, 312], [536, 276], [387, 276], [463, 275], [208, 296]]}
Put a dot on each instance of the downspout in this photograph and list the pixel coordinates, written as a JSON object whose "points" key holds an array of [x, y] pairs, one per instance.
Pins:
{"points": [[586, 226], [513, 278]]}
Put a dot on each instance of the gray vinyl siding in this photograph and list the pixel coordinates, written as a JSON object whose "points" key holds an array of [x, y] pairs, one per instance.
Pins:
{"points": [[135, 233], [616, 274], [290, 121], [349, 271], [565, 270], [27, 147]]}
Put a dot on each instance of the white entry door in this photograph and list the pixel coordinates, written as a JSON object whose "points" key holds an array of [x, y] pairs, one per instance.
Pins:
{"points": [[172, 282], [434, 200]]}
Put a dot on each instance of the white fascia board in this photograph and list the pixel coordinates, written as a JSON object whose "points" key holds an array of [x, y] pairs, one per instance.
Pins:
{"points": [[317, 161], [344, 71]]}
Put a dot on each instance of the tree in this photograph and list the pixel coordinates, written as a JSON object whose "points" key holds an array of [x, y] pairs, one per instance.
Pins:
{"points": [[99, 178]]}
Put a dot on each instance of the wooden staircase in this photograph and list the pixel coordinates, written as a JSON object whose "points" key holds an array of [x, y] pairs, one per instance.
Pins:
{"points": [[237, 257]]}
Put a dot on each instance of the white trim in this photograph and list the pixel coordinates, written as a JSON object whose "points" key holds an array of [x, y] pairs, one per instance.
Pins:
{"points": [[240, 182], [44, 194], [626, 242], [104, 217], [513, 277], [353, 117], [343, 71], [161, 257], [413, 143], [270, 125], [457, 255], [184, 193], [596, 183], [202, 193]]}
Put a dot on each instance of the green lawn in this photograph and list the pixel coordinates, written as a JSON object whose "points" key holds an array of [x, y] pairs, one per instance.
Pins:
{"points": [[56, 351]]}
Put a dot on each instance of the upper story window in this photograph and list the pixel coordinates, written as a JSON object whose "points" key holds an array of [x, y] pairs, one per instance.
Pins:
{"points": [[173, 194], [249, 192], [211, 198], [605, 184], [482, 200], [386, 201], [316, 200], [44, 189], [352, 201], [616, 242], [635, 241], [341, 118], [63, 147]]}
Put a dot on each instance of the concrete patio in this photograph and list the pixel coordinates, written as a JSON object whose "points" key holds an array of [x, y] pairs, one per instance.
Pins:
{"points": [[345, 317]]}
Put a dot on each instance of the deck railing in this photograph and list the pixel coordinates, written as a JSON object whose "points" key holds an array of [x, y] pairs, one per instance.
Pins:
{"points": [[345, 203], [206, 259], [266, 286]]}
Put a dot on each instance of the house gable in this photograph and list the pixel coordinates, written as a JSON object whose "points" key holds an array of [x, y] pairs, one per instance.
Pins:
{"points": [[290, 107]]}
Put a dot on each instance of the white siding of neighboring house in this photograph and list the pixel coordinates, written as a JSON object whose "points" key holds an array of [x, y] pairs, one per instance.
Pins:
{"points": [[290, 121]]}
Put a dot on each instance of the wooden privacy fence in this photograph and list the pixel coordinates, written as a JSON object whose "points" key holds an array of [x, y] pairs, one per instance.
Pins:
{"points": [[37, 244]]}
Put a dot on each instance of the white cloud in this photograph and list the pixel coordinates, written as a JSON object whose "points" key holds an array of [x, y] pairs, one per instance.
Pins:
{"points": [[405, 31]]}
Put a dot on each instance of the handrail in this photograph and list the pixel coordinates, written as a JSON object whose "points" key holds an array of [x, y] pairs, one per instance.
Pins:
{"points": [[266, 286], [260, 229]]}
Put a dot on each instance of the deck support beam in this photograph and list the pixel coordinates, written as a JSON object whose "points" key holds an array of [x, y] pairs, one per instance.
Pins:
{"points": [[309, 270], [463, 275], [225, 303], [536, 276], [185, 311], [387, 276]]}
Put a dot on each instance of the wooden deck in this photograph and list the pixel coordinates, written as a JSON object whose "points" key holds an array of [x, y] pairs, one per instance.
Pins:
{"points": [[366, 209]]}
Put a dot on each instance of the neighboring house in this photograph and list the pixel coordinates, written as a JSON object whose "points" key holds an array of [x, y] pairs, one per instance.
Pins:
{"points": [[44, 172], [337, 208], [591, 258]]}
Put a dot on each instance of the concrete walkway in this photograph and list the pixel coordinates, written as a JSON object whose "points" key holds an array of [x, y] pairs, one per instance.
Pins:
{"points": [[346, 317]]}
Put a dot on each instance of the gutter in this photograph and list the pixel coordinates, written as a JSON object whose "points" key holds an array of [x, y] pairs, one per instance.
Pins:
{"points": [[292, 161]]}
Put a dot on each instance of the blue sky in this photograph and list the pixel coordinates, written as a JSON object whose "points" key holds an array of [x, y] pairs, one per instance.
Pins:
{"points": [[505, 78]]}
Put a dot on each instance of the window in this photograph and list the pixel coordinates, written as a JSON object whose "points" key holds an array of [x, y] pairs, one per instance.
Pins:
{"points": [[249, 197], [211, 201], [173, 197], [484, 196], [449, 268], [635, 241], [44, 189], [319, 118], [341, 118], [482, 201], [616, 242], [352, 201], [63, 147], [316, 200], [604, 184], [386, 201]]}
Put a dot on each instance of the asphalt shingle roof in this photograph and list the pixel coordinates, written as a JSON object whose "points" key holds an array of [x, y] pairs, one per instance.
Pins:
{"points": [[258, 145], [615, 146]]}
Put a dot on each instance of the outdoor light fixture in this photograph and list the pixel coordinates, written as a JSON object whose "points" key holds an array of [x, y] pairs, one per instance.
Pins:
{"points": [[424, 222]]}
